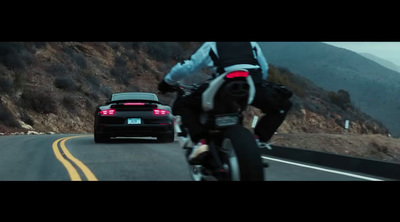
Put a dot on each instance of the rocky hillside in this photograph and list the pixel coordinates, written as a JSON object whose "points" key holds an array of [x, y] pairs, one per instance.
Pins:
{"points": [[316, 110], [373, 87], [56, 86]]}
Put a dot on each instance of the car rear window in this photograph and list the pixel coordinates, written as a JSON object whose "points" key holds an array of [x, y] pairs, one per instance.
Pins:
{"points": [[134, 96]]}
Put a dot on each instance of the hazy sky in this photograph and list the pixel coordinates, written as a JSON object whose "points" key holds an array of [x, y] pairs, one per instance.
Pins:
{"points": [[386, 50]]}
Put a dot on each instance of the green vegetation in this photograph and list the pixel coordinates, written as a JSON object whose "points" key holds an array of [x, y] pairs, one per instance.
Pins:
{"points": [[65, 82], [284, 77], [16, 55], [121, 71], [39, 100], [165, 51], [341, 98], [6, 85], [69, 102]]}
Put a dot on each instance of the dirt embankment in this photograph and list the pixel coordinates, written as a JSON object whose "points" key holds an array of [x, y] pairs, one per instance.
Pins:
{"points": [[372, 146]]}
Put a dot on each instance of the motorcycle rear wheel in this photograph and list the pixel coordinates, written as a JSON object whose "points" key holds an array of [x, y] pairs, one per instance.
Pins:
{"points": [[243, 156]]}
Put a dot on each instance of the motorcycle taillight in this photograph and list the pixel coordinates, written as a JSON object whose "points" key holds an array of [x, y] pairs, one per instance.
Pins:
{"points": [[236, 74]]}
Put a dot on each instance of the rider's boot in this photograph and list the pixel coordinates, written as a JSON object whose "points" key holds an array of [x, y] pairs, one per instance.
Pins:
{"points": [[199, 152], [262, 144]]}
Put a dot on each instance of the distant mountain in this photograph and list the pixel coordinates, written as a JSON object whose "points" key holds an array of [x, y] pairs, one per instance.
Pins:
{"points": [[383, 62], [373, 88]]}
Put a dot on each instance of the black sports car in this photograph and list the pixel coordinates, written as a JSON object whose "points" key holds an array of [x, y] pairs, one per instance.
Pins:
{"points": [[133, 114]]}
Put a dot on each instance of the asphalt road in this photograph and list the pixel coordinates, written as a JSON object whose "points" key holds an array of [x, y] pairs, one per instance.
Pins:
{"points": [[77, 157]]}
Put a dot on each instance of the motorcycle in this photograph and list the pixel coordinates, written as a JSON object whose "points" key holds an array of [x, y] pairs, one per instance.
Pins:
{"points": [[233, 152]]}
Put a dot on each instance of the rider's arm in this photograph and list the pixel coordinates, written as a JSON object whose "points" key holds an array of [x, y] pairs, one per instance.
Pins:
{"points": [[200, 59], [261, 60]]}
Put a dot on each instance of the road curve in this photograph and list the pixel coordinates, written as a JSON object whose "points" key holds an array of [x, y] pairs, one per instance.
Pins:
{"points": [[76, 157], [42, 158], [139, 159]]}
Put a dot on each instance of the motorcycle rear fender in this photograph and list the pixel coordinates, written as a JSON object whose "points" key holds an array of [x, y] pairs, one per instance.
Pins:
{"points": [[209, 94]]}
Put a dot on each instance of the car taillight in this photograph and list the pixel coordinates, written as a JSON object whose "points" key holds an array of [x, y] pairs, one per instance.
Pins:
{"points": [[235, 74], [160, 112], [107, 112], [134, 104]]}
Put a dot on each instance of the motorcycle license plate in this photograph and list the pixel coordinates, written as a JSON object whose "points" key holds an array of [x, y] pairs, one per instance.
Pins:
{"points": [[226, 120]]}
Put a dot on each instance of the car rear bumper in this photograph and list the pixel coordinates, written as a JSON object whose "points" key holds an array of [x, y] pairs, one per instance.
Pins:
{"points": [[114, 130]]}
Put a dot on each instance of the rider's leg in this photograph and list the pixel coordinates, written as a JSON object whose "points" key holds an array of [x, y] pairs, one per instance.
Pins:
{"points": [[275, 107], [268, 125], [189, 108]]}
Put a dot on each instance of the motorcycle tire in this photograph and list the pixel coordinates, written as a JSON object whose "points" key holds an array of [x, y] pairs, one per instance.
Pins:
{"points": [[239, 142]]}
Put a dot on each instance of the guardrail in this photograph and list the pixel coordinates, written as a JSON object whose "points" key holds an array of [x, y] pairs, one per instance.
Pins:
{"points": [[372, 167]]}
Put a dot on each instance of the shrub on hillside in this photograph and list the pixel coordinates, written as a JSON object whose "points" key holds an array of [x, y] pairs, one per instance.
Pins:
{"points": [[342, 98], [136, 45], [69, 103], [121, 71], [79, 60], [39, 100], [90, 104], [28, 57], [26, 118], [76, 57], [65, 82], [106, 91], [91, 80], [14, 61], [9, 47], [114, 45], [177, 51], [58, 69], [7, 118], [20, 80], [164, 51], [6, 85], [122, 74], [14, 56], [40, 45], [284, 77], [119, 61], [158, 50], [131, 55]]}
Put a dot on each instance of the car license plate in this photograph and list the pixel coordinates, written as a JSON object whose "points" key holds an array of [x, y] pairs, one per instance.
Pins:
{"points": [[227, 120], [134, 121]]}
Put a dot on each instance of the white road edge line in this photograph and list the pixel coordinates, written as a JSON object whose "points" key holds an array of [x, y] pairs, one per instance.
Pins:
{"points": [[322, 169]]}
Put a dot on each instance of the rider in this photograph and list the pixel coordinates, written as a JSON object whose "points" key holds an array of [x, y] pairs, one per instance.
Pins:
{"points": [[272, 99]]}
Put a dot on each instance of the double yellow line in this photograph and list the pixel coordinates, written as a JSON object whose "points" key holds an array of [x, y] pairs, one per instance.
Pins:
{"points": [[66, 158]]}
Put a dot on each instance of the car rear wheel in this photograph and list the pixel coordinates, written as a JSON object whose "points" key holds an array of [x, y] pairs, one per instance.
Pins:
{"points": [[100, 138], [166, 138]]}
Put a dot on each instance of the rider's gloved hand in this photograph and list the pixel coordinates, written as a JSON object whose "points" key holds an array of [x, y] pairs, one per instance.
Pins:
{"points": [[164, 87]]}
